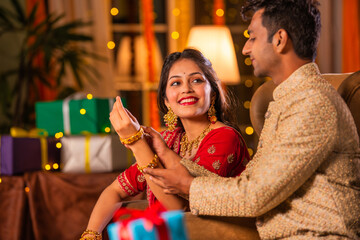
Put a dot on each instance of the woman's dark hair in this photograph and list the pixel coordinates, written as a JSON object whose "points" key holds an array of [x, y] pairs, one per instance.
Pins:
{"points": [[223, 113], [299, 18]]}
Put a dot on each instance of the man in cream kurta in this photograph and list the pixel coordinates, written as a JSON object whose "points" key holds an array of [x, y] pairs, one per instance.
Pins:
{"points": [[304, 181]]}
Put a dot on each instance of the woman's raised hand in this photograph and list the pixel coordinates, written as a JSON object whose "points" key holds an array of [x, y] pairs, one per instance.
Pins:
{"points": [[124, 123]]}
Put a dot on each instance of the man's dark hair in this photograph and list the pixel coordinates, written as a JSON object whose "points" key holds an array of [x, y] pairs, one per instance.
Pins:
{"points": [[299, 18]]}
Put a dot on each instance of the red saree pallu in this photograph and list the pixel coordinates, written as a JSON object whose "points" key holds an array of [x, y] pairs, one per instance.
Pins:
{"points": [[152, 224]]}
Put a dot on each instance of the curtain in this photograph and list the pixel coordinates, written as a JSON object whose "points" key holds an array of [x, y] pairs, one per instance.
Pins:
{"points": [[45, 93], [351, 36]]}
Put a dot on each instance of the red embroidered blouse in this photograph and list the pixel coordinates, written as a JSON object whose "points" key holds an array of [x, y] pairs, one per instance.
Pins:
{"points": [[222, 151]]}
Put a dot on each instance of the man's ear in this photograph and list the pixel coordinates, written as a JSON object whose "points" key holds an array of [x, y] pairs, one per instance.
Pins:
{"points": [[280, 40]]}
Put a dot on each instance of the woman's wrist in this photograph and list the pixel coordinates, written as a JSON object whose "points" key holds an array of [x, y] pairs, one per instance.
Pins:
{"points": [[133, 138], [167, 153], [90, 234]]}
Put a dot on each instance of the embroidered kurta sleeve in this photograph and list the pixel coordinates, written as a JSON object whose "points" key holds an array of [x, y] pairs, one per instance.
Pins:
{"points": [[132, 181], [222, 152], [296, 139]]}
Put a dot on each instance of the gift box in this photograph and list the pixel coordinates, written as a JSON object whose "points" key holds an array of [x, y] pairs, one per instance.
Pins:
{"points": [[148, 224], [74, 116], [94, 153], [19, 155]]}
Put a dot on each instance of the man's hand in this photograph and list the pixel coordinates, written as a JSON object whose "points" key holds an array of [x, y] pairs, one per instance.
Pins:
{"points": [[176, 180], [156, 142]]}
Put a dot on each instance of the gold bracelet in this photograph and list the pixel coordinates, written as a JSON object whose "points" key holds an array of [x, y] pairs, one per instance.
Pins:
{"points": [[134, 138], [93, 235], [153, 164]]}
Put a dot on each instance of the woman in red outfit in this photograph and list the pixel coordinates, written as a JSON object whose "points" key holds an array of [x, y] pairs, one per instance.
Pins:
{"points": [[199, 128]]}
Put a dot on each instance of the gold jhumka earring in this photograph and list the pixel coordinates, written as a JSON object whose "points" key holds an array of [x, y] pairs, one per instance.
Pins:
{"points": [[212, 112], [170, 119]]}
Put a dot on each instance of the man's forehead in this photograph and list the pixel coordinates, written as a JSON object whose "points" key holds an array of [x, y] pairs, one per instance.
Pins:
{"points": [[256, 21]]}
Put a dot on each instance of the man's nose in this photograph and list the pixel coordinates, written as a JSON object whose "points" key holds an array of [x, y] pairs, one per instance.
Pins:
{"points": [[246, 48]]}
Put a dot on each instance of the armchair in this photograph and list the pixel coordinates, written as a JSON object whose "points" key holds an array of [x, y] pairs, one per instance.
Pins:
{"points": [[347, 84]]}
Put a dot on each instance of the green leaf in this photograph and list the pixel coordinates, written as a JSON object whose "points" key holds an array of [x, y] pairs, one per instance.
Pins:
{"points": [[5, 18], [67, 91], [61, 72], [32, 15], [20, 12]]}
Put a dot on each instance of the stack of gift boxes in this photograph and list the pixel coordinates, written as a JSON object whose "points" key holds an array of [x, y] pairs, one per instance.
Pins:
{"points": [[72, 135]]}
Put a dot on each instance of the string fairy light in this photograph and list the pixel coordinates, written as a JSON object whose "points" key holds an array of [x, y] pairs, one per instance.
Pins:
{"points": [[114, 11], [249, 130], [249, 83], [111, 45]]}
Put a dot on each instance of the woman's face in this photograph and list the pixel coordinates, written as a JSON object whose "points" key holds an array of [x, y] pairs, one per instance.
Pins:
{"points": [[188, 92]]}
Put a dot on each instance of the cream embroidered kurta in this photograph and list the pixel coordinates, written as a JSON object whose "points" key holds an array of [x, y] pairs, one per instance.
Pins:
{"points": [[304, 181]]}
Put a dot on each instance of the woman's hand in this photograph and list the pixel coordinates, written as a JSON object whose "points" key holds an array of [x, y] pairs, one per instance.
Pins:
{"points": [[124, 123]]}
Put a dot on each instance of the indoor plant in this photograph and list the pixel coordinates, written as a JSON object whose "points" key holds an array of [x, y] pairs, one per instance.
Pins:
{"points": [[46, 50]]}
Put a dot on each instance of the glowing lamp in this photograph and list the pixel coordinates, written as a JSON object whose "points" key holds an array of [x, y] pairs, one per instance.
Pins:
{"points": [[215, 42]]}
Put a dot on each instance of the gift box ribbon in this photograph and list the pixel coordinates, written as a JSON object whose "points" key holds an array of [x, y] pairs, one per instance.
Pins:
{"points": [[87, 149], [34, 133], [151, 215]]}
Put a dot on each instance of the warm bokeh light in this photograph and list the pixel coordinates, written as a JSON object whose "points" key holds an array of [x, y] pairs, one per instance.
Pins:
{"points": [[175, 35], [111, 45], [55, 166], [89, 96], [251, 152], [58, 145], [27, 189], [220, 12], [247, 104], [59, 135], [82, 111], [176, 12], [47, 167], [249, 130], [0, 180], [107, 129], [249, 83], [114, 11], [246, 33], [247, 61]]}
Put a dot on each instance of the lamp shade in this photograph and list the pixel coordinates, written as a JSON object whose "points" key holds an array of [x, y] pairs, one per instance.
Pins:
{"points": [[215, 42]]}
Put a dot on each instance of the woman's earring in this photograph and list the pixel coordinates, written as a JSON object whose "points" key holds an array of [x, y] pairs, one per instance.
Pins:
{"points": [[212, 112], [170, 119]]}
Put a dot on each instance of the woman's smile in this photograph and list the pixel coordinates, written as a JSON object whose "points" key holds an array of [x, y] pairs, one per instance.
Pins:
{"points": [[188, 101]]}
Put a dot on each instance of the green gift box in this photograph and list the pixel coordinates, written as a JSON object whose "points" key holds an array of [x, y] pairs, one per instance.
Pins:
{"points": [[74, 116]]}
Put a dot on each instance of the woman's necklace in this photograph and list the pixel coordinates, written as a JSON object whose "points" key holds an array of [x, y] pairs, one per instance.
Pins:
{"points": [[186, 147]]}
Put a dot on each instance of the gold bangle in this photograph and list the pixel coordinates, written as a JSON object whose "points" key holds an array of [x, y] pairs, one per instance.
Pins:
{"points": [[153, 164], [93, 235], [134, 138]]}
